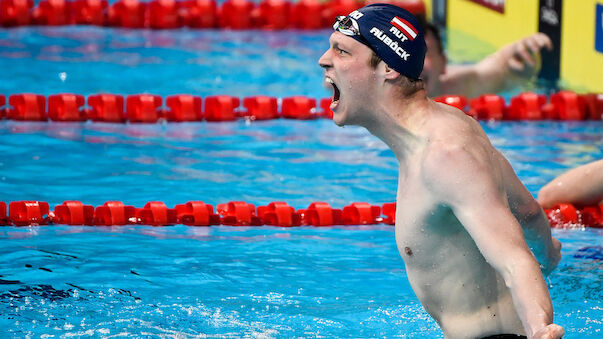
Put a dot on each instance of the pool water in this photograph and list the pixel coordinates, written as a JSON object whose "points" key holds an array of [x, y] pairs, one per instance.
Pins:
{"points": [[88, 60], [224, 281], [234, 282]]}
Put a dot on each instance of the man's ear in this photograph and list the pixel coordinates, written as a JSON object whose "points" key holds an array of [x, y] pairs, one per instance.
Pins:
{"points": [[390, 73]]}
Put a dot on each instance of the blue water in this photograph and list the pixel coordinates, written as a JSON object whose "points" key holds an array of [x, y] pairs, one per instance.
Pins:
{"points": [[225, 281], [88, 60]]}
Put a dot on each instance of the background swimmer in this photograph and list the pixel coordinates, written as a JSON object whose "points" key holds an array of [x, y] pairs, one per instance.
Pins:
{"points": [[580, 186], [509, 67]]}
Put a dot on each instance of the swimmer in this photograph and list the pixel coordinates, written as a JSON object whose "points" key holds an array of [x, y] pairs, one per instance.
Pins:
{"points": [[460, 207], [581, 186], [511, 66]]}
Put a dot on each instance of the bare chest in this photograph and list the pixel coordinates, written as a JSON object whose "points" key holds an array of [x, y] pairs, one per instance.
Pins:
{"points": [[425, 227]]}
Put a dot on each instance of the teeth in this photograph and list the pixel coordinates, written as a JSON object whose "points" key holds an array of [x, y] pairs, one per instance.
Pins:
{"points": [[329, 80]]}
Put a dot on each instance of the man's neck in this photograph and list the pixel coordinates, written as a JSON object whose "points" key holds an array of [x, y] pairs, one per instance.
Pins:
{"points": [[396, 121]]}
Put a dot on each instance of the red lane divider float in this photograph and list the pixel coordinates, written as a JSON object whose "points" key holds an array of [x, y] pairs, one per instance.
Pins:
{"points": [[197, 213], [321, 214], [169, 14], [564, 105], [149, 108], [261, 108], [567, 215], [66, 107], [31, 107], [74, 213], [143, 108], [280, 214], [22, 213], [240, 213]]}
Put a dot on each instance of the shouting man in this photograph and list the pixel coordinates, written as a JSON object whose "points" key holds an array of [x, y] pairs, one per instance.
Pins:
{"points": [[462, 213]]}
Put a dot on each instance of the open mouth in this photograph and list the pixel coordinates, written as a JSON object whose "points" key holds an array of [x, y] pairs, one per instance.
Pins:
{"points": [[336, 93]]}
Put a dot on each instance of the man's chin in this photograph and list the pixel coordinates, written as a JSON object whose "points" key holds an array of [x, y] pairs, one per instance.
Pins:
{"points": [[339, 119], [345, 119], [339, 123]]}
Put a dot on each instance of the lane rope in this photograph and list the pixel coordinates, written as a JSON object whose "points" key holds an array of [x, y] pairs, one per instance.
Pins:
{"points": [[197, 14], [149, 108], [240, 213]]}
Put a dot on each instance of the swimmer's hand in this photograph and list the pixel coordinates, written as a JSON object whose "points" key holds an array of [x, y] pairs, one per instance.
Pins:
{"points": [[551, 331], [524, 60]]}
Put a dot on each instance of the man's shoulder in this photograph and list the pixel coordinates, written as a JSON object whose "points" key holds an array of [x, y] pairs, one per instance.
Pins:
{"points": [[452, 141], [448, 160], [449, 133], [440, 153]]}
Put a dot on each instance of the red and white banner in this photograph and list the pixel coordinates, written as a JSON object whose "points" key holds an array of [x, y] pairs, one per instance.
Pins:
{"points": [[405, 27]]}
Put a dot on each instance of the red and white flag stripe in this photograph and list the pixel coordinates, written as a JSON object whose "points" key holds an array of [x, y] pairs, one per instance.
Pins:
{"points": [[405, 27]]}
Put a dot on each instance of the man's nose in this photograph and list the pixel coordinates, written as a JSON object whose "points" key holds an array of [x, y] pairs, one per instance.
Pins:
{"points": [[324, 60]]}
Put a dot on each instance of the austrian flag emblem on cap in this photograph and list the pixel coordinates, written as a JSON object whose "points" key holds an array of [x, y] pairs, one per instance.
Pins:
{"points": [[405, 27]]}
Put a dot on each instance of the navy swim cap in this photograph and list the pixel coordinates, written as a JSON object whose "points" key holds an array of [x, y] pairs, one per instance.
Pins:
{"points": [[391, 32]]}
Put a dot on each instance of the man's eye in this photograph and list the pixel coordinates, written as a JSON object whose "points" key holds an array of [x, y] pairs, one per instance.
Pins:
{"points": [[340, 51]]}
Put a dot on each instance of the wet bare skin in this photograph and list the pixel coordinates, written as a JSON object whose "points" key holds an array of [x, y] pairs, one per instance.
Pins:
{"points": [[445, 267], [581, 186], [463, 215], [447, 272]]}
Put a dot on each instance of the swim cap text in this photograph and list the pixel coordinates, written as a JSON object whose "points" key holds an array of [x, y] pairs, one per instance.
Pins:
{"points": [[389, 42], [355, 15], [399, 34]]}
